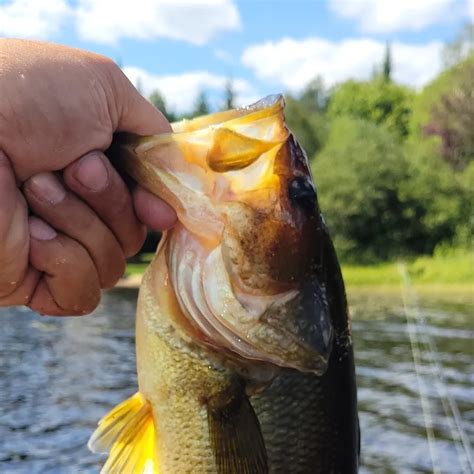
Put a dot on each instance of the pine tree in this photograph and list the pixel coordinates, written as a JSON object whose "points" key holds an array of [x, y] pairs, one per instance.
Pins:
{"points": [[229, 95], [387, 64], [202, 106], [159, 102]]}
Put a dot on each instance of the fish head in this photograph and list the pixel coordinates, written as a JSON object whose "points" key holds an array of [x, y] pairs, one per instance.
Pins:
{"points": [[244, 258]]}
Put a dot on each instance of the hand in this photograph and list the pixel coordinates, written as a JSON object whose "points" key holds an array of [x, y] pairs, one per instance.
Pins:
{"points": [[59, 110]]}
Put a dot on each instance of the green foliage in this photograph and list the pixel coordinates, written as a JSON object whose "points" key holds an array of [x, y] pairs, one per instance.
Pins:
{"points": [[387, 65], [229, 95], [306, 118], [358, 175], [377, 101], [431, 94], [435, 188], [201, 107], [465, 226], [394, 168], [159, 102], [444, 110], [376, 274], [456, 267], [383, 199], [461, 47]]}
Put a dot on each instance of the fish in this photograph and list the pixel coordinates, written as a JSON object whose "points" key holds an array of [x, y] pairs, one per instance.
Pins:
{"points": [[244, 350]]}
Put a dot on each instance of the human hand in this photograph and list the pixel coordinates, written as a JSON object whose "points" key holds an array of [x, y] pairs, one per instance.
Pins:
{"points": [[58, 112]]}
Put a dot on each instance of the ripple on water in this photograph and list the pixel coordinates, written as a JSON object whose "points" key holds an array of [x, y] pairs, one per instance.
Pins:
{"points": [[58, 376]]}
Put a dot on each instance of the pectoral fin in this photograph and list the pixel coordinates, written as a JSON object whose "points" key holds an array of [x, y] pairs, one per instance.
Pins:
{"points": [[128, 434], [236, 438]]}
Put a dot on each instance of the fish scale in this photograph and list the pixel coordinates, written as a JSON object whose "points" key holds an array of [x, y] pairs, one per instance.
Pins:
{"points": [[244, 352]]}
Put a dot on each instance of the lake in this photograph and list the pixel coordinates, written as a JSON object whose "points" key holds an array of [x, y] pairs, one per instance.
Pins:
{"points": [[58, 376]]}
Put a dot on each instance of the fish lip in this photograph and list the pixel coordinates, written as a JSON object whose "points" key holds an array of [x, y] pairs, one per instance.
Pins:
{"points": [[317, 353], [312, 330]]}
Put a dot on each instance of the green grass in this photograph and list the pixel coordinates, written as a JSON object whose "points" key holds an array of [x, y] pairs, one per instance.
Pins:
{"points": [[138, 267], [456, 267]]}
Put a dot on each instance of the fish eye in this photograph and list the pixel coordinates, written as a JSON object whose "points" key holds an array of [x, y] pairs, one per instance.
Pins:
{"points": [[302, 193]]}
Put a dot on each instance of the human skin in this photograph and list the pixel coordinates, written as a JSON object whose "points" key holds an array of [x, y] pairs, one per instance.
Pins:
{"points": [[67, 219]]}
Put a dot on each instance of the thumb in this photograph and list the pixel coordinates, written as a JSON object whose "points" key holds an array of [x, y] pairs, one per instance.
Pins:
{"points": [[137, 114], [141, 117], [14, 234]]}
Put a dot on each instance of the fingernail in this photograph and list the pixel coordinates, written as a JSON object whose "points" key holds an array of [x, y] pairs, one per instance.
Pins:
{"points": [[92, 173], [39, 230], [46, 187]]}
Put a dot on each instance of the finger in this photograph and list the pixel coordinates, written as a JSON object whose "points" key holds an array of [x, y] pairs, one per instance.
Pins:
{"points": [[152, 211], [65, 212], [23, 292], [70, 284], [95, 181], [14, 237]]}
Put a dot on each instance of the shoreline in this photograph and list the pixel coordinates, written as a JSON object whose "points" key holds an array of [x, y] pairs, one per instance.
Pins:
{"points": [[134, 281]]}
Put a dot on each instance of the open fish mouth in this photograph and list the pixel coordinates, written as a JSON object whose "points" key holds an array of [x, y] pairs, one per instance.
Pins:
{"points": [[242, 261]]}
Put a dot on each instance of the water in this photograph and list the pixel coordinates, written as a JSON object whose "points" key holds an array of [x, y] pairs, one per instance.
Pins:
{"points": [[58, 376]]}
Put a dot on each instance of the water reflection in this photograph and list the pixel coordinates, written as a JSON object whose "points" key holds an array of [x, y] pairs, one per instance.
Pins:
{"points": [[59, 376]]}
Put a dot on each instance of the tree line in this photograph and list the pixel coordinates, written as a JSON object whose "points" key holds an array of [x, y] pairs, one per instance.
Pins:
{"points": [[394, 166]]}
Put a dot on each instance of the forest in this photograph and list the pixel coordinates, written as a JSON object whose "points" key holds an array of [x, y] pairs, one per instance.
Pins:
{"points": [[393, 165]]}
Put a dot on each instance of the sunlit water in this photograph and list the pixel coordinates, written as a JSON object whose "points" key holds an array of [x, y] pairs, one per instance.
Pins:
{"points": [[58, 376]]}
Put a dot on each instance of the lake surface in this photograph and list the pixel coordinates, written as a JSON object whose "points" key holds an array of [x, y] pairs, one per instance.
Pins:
{"points": [[58, 376]]}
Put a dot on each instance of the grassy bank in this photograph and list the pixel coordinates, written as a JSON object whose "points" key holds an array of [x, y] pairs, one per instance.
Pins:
{"points": [[453, 269]]}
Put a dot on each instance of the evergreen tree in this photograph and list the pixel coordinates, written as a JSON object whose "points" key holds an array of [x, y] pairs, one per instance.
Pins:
{"points": [[229, 95], [201, 106], [387, 64], [159, 102]]}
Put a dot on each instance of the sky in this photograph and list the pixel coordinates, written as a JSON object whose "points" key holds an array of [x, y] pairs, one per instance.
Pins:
{"points": [[183, 47]]}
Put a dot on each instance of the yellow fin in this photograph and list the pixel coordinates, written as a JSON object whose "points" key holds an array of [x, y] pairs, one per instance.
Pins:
{"points": [[128, 433]]}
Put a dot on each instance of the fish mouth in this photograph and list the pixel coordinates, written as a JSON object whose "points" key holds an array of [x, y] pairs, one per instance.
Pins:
{"points": [[239, 179], [290, 330]]}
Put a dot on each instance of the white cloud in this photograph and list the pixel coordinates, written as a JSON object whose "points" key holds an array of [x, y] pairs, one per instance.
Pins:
{"points": [[181, 90], [395, 15], [294, 63], [32, 18], [194, 21]]}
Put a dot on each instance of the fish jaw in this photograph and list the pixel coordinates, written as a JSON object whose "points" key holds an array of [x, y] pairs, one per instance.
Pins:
{"points": [[239, 280]]}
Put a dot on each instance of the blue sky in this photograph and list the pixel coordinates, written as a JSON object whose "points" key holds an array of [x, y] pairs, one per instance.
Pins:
{"points": [[184, 46]]}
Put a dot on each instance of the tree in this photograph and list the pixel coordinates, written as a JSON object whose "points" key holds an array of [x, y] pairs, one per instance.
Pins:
{"points": [[377, 101], [362, 176], [441, 199], [159, 102], [387, 65], [461, 47], [357, 176], [305, 116], [229, 95], [452, 119], [444, 110], [201, 106]]}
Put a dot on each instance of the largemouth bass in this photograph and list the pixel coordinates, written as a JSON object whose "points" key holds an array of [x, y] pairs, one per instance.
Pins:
{"points": [[244, 351]]}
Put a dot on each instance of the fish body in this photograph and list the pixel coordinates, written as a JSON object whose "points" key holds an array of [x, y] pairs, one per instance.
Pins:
{"points": [[244, 353]]}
